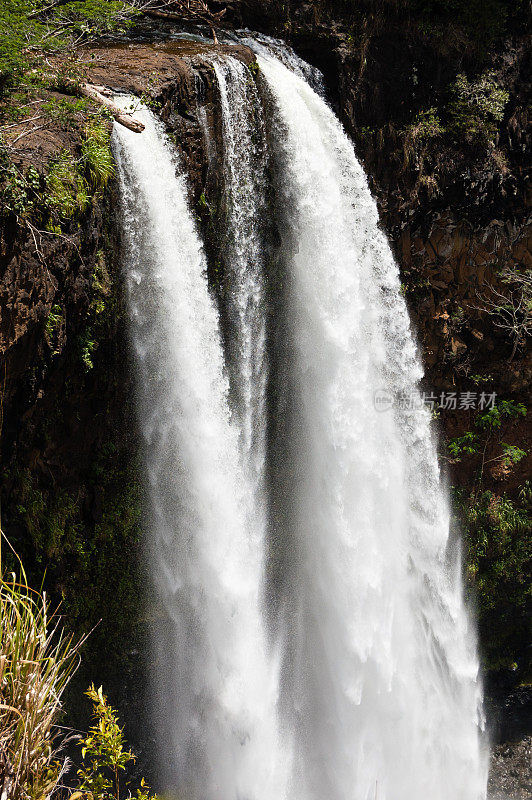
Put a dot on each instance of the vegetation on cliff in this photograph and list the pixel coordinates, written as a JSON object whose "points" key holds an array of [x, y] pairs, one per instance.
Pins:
{"points": [[37, 662]]}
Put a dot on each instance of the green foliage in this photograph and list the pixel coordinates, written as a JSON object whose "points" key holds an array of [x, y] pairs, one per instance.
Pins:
{"points": [[202, 203], [36, 663], [87, 346], [18, 190], [512, 454], [254, 68], [15, 29], [96, 156], [499, 554], [105, 755], [471, 443], [72, 185], [103, 751], [426, 126], [463, 445], [52, 328], [365, 133], [51, 521], [101, 285], [30, 29], [476, 108], [65, 111], [84, 559], [66, 189], [504, 410]]}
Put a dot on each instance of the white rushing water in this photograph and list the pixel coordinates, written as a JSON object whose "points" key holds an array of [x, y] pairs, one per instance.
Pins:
{"points": [[244, 160], [384, 698], [378, 695], [215, 687]]}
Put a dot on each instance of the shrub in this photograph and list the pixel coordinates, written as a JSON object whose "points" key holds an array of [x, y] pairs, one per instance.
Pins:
{"points": [[477, 108], [96, 154], [105, 755], [67, 191], [499, 555]]}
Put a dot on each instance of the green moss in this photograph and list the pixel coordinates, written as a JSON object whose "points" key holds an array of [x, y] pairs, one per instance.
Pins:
{"points": [[49, 518], [254, 68], [101, 285], [90, 566]]}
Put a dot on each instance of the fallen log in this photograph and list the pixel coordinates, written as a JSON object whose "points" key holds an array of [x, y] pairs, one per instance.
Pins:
{"points": [[96, 93], [100, 94]]}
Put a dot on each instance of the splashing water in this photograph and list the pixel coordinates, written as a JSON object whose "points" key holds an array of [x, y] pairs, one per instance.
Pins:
{"points": [[382, 670], [378, 694], [214, 683]]}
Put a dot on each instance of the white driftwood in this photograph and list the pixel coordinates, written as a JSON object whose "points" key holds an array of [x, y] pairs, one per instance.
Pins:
{"points": [[98, 94]]}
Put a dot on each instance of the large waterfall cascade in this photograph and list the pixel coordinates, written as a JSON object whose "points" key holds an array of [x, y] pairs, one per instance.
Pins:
{"points": [[364, 684]]}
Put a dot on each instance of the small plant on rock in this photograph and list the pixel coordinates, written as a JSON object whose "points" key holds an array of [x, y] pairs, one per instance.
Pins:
{"points": [[105, 755]]}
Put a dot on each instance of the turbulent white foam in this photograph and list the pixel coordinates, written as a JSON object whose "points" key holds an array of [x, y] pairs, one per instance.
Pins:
{"points": [[245, 180], [383, 669], [380, 690], [217, 736]]}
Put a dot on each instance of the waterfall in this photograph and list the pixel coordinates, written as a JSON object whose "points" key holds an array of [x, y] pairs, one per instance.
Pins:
{"points": [[304, 442], [244, 160], [214, 683], [382, 675]]}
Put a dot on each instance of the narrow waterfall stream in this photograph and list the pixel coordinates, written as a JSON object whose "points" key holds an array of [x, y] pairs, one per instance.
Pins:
{"points": [[245, 186], [215, 689], [375, 693]]}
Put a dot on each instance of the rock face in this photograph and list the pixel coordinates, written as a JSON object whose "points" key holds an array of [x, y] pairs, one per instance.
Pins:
{"points": [[457, 213], [510, 770]]}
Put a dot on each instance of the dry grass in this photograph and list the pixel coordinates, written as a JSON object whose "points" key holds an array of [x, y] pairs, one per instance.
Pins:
{"points": [[36, 663]]}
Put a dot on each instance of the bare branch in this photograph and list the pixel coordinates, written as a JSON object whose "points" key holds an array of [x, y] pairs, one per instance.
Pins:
{"points": [[511, 312]]}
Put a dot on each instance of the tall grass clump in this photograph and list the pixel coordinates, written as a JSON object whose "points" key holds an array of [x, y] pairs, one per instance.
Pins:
{"points": [[37, 661], [96, 154]]}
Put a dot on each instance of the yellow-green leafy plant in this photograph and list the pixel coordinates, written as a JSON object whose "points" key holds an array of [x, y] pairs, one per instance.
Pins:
{"points": [[105, 755], [477, 107], [37, 661]]}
